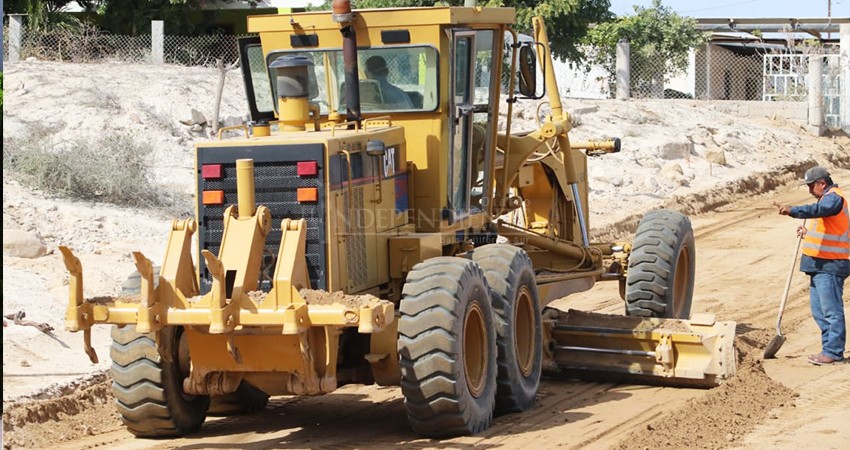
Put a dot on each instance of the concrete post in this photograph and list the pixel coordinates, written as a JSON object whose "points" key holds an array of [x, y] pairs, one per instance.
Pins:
{"points": [[816, 95], [624, 88], [708, 71], [692, 71], [157, 37], [16, 22], [844, 104]]}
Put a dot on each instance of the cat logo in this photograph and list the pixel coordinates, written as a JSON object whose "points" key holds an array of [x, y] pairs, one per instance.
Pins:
{"points": [[389, 162]]}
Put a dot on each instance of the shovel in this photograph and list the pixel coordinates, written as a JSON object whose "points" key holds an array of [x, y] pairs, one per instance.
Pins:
{"points": [[776, 343]]}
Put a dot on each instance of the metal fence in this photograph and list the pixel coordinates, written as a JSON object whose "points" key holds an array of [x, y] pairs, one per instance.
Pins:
{"points": [[719, 72], [715, 71], [88, 44]]}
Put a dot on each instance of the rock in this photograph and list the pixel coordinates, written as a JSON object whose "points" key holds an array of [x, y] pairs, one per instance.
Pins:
{"points": [[716, 156], [23, 244], [197, 119], [675, 150], [672, 170], [232, 121], [649, 185]]}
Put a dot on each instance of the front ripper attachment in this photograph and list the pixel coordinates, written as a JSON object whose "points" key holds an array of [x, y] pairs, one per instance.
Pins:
{"points": [[693, 353]]}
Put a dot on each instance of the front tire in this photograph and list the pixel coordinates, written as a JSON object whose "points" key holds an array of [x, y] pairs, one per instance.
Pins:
{"points": [[148, 390], [660, 277], [519, 333], [447, 348]]}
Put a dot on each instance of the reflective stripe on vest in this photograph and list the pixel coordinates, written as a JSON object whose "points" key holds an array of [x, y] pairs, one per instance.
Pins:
{"points": [[830, 237]]}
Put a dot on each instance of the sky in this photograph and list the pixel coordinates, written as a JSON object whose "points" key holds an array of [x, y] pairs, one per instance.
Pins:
{"points": [[772, 9]]}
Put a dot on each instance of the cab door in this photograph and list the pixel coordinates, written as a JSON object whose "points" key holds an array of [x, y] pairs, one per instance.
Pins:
{"points": [[474, 98], [461, 98]]}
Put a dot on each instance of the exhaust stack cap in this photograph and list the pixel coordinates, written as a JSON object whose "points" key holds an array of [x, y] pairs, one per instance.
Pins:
{"points": [[342, 11]]}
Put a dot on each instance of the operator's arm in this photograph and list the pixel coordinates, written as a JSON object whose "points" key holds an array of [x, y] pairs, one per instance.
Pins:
{"points": [[829, 205]]}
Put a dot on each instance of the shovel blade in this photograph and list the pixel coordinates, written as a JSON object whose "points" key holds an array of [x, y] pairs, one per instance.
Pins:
{"points": [[774, 346]]}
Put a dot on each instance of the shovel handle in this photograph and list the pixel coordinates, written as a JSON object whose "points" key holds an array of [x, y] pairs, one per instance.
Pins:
{"points": [[788, 282]]}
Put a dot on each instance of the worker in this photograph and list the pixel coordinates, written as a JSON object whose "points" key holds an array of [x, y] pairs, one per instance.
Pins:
{"points": [[392, 96], [826, 259]]}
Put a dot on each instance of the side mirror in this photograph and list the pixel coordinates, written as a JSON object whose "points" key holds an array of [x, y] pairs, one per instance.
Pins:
{"points": [[527, 71]]}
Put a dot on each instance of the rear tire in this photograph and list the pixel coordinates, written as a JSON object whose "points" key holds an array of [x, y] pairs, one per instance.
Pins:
{"points": [[133, 284], [148, 390], [660, 278], [519, 334], [447, 348], [246, 400]]}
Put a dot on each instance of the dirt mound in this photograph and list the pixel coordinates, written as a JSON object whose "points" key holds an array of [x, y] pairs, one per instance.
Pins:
{"points": [[727, 413], [83, 408]]}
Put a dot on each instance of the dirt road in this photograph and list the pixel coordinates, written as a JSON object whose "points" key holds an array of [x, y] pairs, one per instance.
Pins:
{"points": [[744, 252]]}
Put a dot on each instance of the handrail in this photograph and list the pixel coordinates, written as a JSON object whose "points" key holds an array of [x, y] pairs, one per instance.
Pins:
{"points": [[244, 127], [387, 118], [350, 190], [344, 124]]}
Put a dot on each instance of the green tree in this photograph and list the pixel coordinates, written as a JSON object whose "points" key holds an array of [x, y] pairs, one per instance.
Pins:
{"points": [[567, 21], [43, 15], [659, 41]]}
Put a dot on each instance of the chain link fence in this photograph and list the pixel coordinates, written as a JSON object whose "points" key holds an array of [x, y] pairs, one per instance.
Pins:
{"points": [[88, 44], [200, 50], [715, 71], [719, 71]]}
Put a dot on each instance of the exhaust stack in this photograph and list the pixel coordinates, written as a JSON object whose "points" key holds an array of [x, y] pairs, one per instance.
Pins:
{"points": [[342, 15]]}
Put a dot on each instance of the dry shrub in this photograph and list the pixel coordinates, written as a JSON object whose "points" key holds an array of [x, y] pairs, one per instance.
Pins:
{"points": [[111, 168]]}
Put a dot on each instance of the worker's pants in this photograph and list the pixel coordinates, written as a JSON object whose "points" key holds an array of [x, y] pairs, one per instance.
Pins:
{"points": [[826, 292]]}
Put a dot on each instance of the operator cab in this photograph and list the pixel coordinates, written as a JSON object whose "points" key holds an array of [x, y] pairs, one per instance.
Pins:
{"points": [[439, 80]]}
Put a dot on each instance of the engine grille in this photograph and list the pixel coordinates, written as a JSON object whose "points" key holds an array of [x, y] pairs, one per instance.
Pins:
{"points": [[275, 183]]}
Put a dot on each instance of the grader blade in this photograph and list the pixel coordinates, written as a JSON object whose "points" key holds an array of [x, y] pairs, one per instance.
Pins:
{"points": [[672, 352]]}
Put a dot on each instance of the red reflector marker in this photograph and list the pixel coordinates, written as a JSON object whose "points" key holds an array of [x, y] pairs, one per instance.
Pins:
{"points": [[211, 171], [308, 194], [213, 197], [308, 168]]}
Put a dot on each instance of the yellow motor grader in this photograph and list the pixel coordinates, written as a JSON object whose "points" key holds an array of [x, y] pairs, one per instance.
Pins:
{"points": [[376, 224]]}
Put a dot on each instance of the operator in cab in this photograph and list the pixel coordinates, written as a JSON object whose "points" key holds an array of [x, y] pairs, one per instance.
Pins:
{"points": [[392, 97]]}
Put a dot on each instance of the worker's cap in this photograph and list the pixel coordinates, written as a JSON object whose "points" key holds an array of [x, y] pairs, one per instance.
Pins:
{"points": [[814, 174]]}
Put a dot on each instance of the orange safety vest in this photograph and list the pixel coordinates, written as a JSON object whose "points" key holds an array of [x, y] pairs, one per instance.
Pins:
{"points": [[830, 237]]}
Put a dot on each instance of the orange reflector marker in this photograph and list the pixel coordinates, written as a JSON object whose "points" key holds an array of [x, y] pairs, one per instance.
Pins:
{"points": [[309, 194], [213, 197]]}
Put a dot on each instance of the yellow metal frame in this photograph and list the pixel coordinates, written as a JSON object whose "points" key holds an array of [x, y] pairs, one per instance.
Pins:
{"points": [[175, 300]]}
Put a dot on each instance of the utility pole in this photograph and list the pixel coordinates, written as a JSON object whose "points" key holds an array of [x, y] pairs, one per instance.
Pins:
{"points": [[829, 16]]}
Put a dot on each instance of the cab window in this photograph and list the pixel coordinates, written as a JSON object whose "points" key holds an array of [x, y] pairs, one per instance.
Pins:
{"points": [[391, 79]]}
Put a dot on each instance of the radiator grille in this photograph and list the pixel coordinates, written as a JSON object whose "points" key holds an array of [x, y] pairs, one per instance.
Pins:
{"points": [[275, 183], [356, 240]]}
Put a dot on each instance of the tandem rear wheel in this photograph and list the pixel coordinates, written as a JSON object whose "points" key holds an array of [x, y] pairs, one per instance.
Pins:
{"points": [[447, 348], [519, 334]]}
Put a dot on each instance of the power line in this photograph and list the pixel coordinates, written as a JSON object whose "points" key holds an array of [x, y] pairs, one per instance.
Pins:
{"points": [[720, 6]]}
